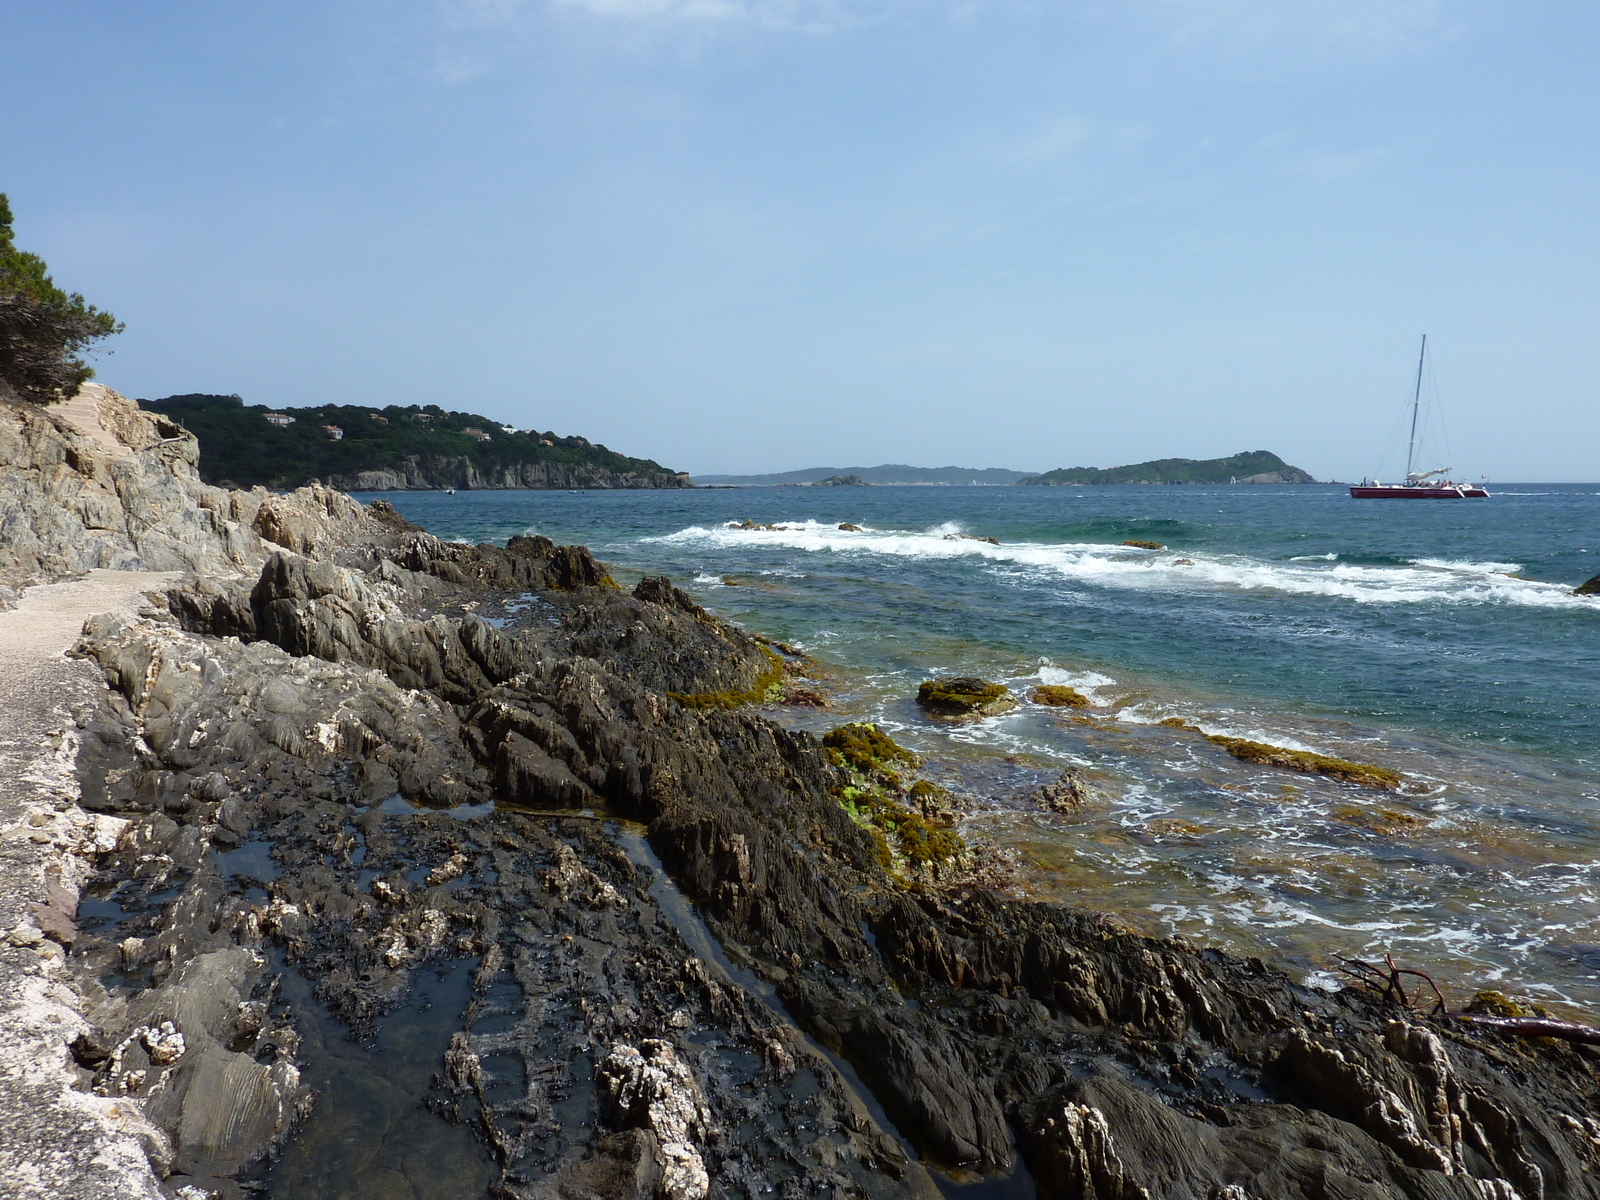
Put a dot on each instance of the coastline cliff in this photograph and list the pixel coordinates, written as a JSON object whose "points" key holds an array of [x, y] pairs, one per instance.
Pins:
{"points": [[336, 747], [393, 448]]}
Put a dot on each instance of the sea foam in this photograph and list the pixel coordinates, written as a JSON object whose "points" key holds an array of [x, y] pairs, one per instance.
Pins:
{"points": [[1097, 565]]}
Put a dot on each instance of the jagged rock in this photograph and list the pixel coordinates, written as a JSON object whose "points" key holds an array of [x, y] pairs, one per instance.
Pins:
{"points": [[432, 472], [659, 590], [1067, 794], [98, 483], [1590, 587]]}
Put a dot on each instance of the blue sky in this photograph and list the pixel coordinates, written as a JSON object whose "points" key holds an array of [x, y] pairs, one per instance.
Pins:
{"points": [[744, 235]]}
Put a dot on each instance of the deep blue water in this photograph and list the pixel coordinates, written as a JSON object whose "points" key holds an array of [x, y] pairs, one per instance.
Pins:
{"points": [[1401, 614], [1439, 638]]}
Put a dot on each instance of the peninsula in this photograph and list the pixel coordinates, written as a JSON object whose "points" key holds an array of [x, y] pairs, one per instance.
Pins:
{"points": [[359, 448]]}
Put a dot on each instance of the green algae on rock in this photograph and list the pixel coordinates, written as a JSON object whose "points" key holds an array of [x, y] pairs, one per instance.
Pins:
{"points": [[767, 686], [965, 696], [863, 747], [1138, 545], [1056, 695], [933, 802], [1307, 762], [1385, 822], [906, 841]]}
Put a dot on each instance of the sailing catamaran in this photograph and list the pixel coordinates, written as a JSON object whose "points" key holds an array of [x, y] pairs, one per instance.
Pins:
{"points": [[1419, 485]]}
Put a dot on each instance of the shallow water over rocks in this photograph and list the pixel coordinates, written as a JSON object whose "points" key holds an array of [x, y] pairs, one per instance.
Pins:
{"points": [[371, 1136], [1443, 644]]}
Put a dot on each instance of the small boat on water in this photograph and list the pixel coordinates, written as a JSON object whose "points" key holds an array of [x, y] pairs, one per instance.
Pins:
{"points": [[1419, 485]]}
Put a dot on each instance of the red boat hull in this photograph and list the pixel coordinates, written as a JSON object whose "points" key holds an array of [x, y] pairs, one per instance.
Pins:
{"points": [[1419, 493]]}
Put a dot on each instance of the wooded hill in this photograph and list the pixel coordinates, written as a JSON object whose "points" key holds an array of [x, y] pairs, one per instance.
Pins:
{"points": [[1251, 466], [889, 473], [380, 449]]}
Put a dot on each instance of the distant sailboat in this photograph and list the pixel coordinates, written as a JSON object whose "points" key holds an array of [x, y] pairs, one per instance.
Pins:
{"points": [[1419, 485]]}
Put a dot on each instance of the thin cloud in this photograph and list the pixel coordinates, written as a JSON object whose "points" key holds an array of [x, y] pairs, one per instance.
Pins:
{"points": [[1315, 27], [816, 16]]}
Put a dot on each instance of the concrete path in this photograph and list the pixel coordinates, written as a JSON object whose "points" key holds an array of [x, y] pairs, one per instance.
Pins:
{"points": [[55, 1141]]}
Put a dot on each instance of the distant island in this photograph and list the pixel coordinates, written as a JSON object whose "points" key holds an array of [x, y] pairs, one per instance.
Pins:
{"points": [[1251, 466], [357, 448], [889, 473], [841, 481]]}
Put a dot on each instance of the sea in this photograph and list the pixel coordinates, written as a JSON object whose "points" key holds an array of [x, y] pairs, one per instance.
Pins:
{"points": [[1441, 640]]}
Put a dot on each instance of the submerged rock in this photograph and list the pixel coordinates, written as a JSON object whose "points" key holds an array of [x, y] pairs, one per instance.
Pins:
{"points": [[1055, 695], [1067, 794], [1308, 762], [965, 696]]}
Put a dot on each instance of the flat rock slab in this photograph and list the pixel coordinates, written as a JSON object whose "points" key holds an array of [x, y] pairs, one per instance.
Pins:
{"points": [[54, 1140], [85, 413]]}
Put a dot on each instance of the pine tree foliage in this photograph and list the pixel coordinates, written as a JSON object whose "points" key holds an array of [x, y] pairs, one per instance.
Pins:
{"points": [[42, 328]]}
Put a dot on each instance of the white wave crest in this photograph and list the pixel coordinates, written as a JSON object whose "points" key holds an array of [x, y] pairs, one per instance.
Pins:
{"points": [[1087, 682], [1097, 565]]}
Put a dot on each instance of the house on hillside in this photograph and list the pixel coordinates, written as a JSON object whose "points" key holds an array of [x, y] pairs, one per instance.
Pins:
{"points": [[476, 435], [334, 432], [378, 417], [279, 419], [425, 418]]}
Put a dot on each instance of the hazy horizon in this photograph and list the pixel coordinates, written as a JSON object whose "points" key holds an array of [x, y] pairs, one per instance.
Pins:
{"points": [[739, 235]]}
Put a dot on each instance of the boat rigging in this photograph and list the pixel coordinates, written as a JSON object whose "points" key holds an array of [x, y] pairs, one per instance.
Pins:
{"points": [[1419, 485]]}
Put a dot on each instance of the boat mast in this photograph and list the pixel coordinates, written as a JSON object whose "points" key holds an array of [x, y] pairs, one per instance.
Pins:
{"points": [[1416, 401]]}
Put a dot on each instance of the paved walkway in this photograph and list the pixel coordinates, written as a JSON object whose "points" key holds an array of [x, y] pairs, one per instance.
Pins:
{"points": [[55, 1141]]}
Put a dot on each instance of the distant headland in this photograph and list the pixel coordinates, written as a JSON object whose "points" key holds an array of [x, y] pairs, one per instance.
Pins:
{"points": [[1253, 466], [358, 448], [1248, 466], [889, 473]]}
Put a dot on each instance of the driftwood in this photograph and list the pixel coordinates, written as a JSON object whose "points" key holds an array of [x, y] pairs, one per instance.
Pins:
{"points": [[1388, 981], [1567, 1031]]}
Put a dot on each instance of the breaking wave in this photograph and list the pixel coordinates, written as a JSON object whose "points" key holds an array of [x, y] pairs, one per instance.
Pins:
{"points": [[1096, 565]]}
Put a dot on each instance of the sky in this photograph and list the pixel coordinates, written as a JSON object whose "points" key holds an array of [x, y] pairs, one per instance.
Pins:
{"points": [[758, 235]]}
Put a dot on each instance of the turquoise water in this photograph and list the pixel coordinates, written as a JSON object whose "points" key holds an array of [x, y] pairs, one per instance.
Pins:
{"points": [[1439, 639]]}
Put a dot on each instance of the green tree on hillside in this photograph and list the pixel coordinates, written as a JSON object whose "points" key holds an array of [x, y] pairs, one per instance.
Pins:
{"points": [[42, 328]]}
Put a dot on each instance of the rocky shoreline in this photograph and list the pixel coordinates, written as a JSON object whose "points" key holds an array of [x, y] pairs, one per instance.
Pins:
{"points": [[436, 473], [338, 750]]}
